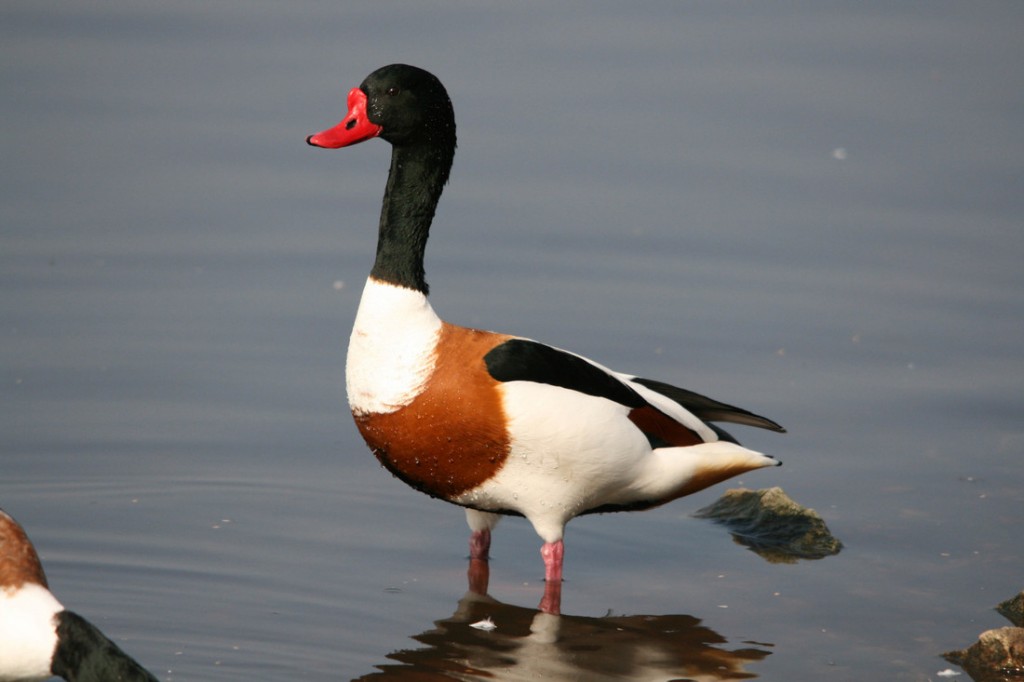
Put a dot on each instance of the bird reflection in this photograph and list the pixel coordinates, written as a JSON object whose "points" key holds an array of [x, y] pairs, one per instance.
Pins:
{"points": [[529, 644]]}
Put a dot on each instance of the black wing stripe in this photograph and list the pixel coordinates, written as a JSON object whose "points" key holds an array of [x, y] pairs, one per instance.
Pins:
{"points": [[524, 360]]}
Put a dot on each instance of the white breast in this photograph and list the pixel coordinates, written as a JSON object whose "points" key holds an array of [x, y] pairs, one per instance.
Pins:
{"points": [[28, 633], [391, 351]]}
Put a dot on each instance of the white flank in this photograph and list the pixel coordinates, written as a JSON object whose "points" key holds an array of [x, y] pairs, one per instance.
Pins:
{"points": [[570, 452], [28, 635], [573, 452], [391, 351]]}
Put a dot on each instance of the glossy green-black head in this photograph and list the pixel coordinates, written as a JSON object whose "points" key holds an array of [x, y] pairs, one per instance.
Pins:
{"points": [[402, 104]]}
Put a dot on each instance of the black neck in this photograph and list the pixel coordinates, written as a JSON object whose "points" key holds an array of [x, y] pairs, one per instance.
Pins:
{"points": [[84, 654], [417, 177]]}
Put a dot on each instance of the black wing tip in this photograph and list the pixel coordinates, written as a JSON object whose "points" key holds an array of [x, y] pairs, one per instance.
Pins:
{"points": [[709, 409]]}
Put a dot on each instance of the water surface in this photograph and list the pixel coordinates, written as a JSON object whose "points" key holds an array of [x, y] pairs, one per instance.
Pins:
{"points": [[810, 211]]}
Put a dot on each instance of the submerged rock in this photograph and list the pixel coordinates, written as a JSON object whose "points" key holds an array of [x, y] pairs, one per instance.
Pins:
{"points": [[770, 523], [1013, 609], [997, 656]]}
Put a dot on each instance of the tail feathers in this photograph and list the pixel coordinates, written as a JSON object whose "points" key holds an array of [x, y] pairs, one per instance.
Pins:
{"points": [[700, 466]]}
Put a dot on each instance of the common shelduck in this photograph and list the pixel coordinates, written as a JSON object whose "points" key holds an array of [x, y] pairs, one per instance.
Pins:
{"points": [[501, 424], [39, 638]]}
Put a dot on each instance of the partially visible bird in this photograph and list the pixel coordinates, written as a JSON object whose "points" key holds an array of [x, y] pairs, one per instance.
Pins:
{"points": [[39, 638]]}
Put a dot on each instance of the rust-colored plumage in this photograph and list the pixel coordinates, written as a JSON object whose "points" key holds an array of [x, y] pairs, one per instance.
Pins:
{"points": [[19, 563], [452, 437], [658, 425]]}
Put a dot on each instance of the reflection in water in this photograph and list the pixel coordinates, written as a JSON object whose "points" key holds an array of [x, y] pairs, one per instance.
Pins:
{"points": [[528, 644]]}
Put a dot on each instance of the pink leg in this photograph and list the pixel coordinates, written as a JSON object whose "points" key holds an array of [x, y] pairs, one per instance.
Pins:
{"points": [[479, 574], [480, 544], [551, 602], [552, 553]]}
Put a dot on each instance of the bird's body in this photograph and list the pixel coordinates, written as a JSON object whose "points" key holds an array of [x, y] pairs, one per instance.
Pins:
{"points": [[498, 423], [39, 638]]}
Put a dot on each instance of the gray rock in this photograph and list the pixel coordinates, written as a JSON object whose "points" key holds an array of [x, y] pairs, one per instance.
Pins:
{"points": [[1013, 609], [771, 524]]}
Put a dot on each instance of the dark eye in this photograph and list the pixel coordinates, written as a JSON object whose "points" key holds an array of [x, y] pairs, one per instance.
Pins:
{"points": [[393, 90]]}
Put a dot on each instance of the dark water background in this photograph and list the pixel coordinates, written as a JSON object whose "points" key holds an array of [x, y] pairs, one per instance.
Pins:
{"points": [[815, 211]]}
